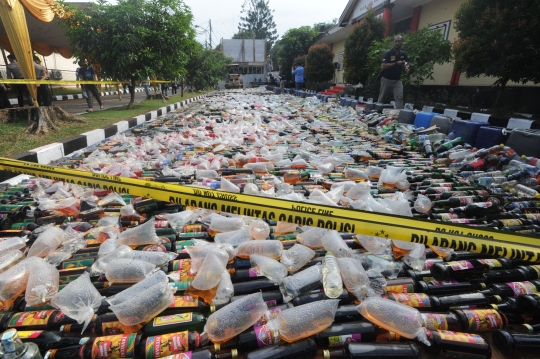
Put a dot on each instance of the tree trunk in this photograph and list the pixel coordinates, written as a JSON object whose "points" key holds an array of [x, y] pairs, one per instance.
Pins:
{"points": [[182, 88], [45, 118], [503, 82], [131, 94]]}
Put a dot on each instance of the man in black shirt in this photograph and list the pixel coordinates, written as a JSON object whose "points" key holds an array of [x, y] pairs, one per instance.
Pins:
{"points": [[393, 62]]}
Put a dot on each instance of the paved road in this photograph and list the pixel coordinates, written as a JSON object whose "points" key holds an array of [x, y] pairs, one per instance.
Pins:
{"points": [[80, 106]]}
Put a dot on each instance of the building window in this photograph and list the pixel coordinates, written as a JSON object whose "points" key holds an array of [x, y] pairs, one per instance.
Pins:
{"points": [[443, 27], [340, 61], [403, 26]]}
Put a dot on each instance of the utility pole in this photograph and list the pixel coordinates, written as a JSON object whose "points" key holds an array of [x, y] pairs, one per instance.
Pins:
{"points": [[210, 23]]}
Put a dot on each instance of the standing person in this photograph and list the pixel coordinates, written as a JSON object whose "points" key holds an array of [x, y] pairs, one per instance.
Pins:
{"points": [[298, 73], [87, 73], [165, 89], [146, 85], [174, 87], [282, 82], [4, 101], [15, 72], [43, 96], [394, 61]]}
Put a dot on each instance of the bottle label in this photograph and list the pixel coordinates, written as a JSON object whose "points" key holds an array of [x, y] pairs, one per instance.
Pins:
{"points": [[521, 288], [266, 336], [269, 303], [462, 337], [399, 288], [481, 320], [166, 344], [29, 334], [268, 316], [536, 268], [185, 355], [154, 248], [26, 319], [435, 321], [444, 282], [460, 265], [429, 263], [192, 228], [181, 264], [340, 340], [114, 346], [492, 263], [185, 301], [112, 328], [255, 272], [78, 263], [415, 300], [173, 319], [441, 189], [511, 222]]}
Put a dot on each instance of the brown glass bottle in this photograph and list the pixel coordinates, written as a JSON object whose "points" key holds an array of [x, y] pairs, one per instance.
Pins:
{"points": [[529, 304], [516, 343], [374, 351], [512, 289], [171, 343], [448, 342], [48, 339], [467, 268], [448, 287], [305, 348], [37, 320]]}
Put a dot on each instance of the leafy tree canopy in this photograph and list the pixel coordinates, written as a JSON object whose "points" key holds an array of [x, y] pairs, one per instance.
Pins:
{"points": [[293, 43], [258, 18], [498, 38], [424, 47], [324, 26], [319, 64], [357, 47], [206, 67], [132, 39]]}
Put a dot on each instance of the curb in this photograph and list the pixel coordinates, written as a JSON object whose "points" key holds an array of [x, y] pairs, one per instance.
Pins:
{"points": [[13, 101], [56, 150]]}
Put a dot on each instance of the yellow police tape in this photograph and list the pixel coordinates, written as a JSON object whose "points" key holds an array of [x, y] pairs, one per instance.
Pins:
{"points": [[66, 82], [458, 237]]}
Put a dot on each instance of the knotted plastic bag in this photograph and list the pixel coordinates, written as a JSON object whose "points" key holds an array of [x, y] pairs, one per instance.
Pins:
{"points": [[159, 259], [259, 229], [333, 243], [100, 265], [9, 259], [128, 270], [178, 220], [301, 283], [209, 274], [312, 237], [47, 242], [375, 245], [222, 224], [148, 282], [144, 305], [234, 237], [225, 289], [109, 245], [13, 281], [42, 282], [13, 243], [296, 257], [268, 267], [140, 235], [354, 277], [269, 248], [393, 316], [199, 252], [306, 320], [78, 300], [234, 318]]}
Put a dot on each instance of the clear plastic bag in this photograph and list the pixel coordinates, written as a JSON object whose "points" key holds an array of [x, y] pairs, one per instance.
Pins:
{"points": [[13, 243], [159, 259], [393, 316], [78, 300], [47, 242], [332, 242], [13, 281], [199, 252], [108, 246], [296, 257], [234, 318], [140, 235], [312, 237], [306, 320], [148, 282], [225, 290], [100, 265], [209, 274], [178, 220], [259, 229], [225, 224], [9, 259], [42, 282], [268, 267], [375, 245], [301, 282], [269, 248], [354, 277], [128, 270], [234, 237]]}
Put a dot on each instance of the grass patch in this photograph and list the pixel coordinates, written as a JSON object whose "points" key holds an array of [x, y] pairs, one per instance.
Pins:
{"points": [[13, 137]]}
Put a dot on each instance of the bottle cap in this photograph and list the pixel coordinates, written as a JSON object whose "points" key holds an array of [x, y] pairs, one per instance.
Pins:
{"points": [[234, 353], [217, 347], [326, 354]]}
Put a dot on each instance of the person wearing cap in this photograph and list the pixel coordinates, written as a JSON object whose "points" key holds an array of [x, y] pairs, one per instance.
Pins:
{"points": [[44, 99], [15, 72], [87, 73]]}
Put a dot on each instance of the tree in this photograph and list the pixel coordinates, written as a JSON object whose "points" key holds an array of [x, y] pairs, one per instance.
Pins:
{"points": [[206, 67], [324, 26], [293, 43], [498, 38], [258, 19], [424, 47], [357, 46], [244, 34], [319, 64], [132, 39]]}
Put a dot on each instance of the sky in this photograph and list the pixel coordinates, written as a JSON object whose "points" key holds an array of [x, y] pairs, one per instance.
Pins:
{"points": [[288, 14]]}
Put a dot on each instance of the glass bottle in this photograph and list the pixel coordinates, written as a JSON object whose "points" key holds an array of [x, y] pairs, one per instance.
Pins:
{"points": [[49, 339], [340, 333], [36, 320], [14, 348], [305, 348], [374, 351], [516, 343], [467, 268], [455, 343]]}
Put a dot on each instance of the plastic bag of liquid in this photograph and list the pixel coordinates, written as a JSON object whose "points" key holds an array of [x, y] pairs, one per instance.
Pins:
{"points": [[209, 274], [391, 176], [312, 237], [333, 243], [148, 282], [225, 289], [422, 204], [354, 277], [225, 224], [318, 196], [296, 257], [259, 229], [356, 174], [416, 258], [140, 235], [387, 268], [393, 316], [359, 190], [234, 238], [13, 243], [112, 197], [100, 265], [268, 267], [13, 281], [159, 259], [252, 189], [443, 252], [42, 282], [9, 259], [285, 227], [306, 320], [234, 318], [375, 245], [199, 252], [228, 186], [178, 220], [332, 282], [78, 300], [301, 283], [128, 270], [108, 246], [144, 305], [269, 248], [47, 242]]}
